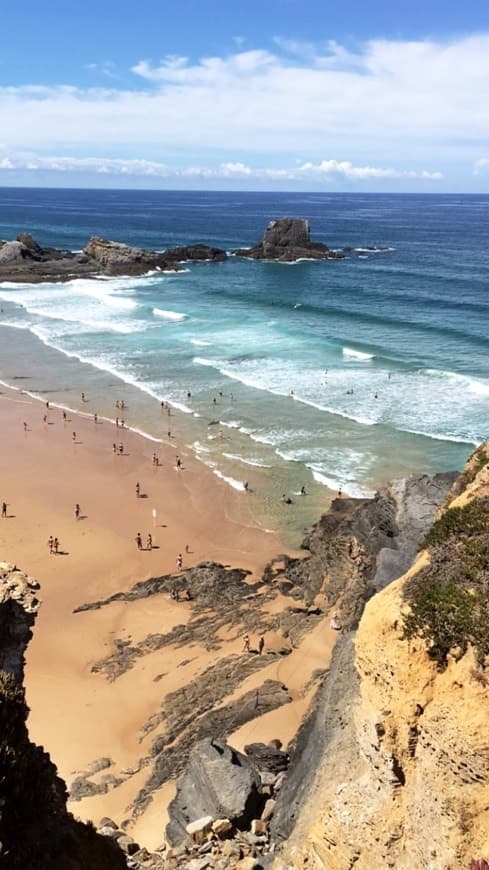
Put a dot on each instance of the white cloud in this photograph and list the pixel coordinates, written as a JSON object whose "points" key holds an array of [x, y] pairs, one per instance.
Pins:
{"points": [[398, 104], [325, 170], [481, 165]]}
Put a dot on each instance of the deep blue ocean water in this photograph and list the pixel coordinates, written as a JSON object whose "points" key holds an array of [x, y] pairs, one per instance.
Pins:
{"points": [[406, 329]]}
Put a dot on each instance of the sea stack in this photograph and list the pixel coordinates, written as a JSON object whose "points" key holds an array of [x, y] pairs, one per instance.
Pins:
{"points": [[287, 240]]}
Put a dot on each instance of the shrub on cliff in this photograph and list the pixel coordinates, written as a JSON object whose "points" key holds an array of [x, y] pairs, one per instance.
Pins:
{"points": [[449, 599]]}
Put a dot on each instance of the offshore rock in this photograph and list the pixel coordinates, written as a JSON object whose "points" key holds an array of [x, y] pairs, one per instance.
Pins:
{"points": [[288, 240], [218, 782], [25, 260]]}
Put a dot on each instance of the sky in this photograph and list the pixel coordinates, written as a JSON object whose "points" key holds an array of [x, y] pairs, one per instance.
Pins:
{"points": [[262, 95]]}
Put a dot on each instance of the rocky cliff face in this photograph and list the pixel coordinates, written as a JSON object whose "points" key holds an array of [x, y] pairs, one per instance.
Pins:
{"points": [[392, 768], [36, 831]]}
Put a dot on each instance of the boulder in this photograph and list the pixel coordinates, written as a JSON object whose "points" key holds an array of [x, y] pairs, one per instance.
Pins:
{"points": [[198, 829], [12, 252], [259, 827], [268, 809], [267, 757], [218, 782], [128, 845], [222, 827]]}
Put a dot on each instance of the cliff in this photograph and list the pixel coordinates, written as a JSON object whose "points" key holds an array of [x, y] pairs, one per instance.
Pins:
{"points": [[36, 831], [392, 767]]}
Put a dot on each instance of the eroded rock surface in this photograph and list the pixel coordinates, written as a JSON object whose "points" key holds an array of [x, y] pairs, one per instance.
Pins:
{"points": [[402, 776]]}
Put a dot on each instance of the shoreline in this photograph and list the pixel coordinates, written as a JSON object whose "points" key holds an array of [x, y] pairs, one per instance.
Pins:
{"points": [[77, 715]]}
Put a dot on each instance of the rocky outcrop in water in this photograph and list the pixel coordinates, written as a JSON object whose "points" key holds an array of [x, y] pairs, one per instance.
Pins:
{"points": [[36, 831], [24, 260], [287, 240]]}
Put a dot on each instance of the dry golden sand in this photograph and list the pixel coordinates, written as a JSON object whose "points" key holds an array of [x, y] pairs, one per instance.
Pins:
{"points": [[79, 716]]}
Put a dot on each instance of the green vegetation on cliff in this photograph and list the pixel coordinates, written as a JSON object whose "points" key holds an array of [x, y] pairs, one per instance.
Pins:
{"points": [[449, 599]]}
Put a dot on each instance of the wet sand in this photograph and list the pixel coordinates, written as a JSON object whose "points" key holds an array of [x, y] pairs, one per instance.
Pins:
{"points": [[77, 715]]}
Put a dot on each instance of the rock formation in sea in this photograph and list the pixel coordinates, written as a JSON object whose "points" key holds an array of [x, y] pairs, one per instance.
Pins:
{"points": [[25, 260], [288, 240]]}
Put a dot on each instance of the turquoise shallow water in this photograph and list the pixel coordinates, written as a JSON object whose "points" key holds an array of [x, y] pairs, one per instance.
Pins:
{"points": [[280, 348]]}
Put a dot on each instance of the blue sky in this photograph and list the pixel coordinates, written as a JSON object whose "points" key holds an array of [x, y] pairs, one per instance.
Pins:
{"points": [[278, 94]]}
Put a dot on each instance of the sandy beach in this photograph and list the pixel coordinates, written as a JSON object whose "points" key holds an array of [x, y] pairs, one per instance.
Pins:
{"points": [[77, 715]]}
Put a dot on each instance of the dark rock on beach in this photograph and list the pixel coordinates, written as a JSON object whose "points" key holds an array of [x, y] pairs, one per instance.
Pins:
{"points": [[219, 781], [288, 240], [24, 260]]}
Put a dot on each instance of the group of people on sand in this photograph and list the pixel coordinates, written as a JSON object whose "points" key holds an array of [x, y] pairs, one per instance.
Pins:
{"points": [[53, 545], [149, 541], [247, 648]]}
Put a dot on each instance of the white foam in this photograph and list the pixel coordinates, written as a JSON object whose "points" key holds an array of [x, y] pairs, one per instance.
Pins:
{"points": [[349, 488], [175, 316], [236, 484], [257, 463], [199, 342], [230, 424], [357, 354]]}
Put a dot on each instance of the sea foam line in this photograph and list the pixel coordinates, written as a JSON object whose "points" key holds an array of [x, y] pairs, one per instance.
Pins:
{"points": [[107, 367], [175, 316]]}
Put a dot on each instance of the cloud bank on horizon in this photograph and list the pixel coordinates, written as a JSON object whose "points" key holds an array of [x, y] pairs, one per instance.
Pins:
{"points": [[390, 115]]}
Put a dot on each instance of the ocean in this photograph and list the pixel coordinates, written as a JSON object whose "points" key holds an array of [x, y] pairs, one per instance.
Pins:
{"points": [[341, 373]]}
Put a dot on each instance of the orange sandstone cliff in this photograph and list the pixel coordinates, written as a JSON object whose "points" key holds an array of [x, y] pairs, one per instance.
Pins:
{"points": [[399, 735]]}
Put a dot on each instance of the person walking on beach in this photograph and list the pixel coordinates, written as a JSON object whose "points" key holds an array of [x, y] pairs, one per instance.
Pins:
{"points": [[180, 562], [139, 541], [77, 511], [187, 548], [149, 542], [56, 546], [4, 509], [178, 462], [64, 416], [114, 448], [83, 397], [121, 448], [74, 437], [261, 644], [138, 490], [51, 545], [246, 643], [45, 419], [25, 427], [95, 418]]}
